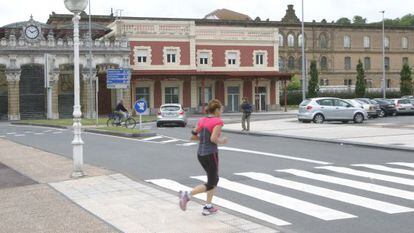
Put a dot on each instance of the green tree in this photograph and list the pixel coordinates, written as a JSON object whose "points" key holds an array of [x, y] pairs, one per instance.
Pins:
{"points": [[359, 20], [406, 85], [313, 87], [344, 21], [294, 83], [360, 86], [407, 20]]}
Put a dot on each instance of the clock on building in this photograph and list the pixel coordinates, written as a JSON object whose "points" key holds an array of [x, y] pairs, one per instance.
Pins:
{"points": [[32, 32]]}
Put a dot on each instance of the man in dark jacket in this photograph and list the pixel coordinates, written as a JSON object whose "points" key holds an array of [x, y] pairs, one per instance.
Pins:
{"points": [[121, 111], [246, 108]]}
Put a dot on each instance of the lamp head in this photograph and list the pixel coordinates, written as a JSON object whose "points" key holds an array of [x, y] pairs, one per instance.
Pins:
{"points": [[76, 6]]}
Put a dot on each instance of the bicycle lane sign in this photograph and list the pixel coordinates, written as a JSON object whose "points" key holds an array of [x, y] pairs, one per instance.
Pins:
{"points": [[140, 107]]}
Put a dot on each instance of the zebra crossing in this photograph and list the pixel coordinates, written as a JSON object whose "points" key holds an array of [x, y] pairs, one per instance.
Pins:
{"points": [[161, 139], [382, 188], [29, 133]]}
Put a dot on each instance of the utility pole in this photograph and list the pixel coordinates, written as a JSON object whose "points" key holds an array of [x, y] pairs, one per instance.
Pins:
{"points": [[303, 56], [384, 81]]}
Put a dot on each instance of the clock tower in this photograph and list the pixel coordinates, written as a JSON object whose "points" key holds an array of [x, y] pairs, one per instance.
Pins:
{"points": [[32, 30]]}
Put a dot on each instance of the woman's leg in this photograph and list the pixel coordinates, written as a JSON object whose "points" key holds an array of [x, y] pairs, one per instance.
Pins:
{"points": [[198, 189], [210, 195]]}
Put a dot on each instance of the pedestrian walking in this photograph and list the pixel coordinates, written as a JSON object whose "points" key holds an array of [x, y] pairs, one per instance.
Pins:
{"points": [[247, 111], [208, 133]]}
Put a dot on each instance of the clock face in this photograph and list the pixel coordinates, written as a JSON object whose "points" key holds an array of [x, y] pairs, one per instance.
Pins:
{"points": [[32, 32]]}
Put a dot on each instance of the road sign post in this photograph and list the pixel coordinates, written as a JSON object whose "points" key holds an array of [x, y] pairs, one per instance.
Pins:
{"points": [[140, 107]]}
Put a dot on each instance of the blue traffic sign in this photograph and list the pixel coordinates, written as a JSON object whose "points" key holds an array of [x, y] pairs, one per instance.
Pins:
{"points": [[117, 78], [140, 106]]}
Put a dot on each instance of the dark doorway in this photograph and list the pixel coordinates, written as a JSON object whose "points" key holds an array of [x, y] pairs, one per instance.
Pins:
{"points": [[65, 98], [32, 92], [104, 96], [3, 94]]}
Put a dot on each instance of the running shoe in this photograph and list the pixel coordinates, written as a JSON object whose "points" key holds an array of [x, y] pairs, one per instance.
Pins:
{"points": [[184, 198], [208, 211]]}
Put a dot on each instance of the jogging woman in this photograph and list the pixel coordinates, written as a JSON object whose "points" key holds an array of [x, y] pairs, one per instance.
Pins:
{"points": [[208, 133]]}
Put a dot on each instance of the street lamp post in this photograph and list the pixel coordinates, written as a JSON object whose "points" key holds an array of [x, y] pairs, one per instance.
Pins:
{"points": [[303, 57], [384, 83], [76, 7]]}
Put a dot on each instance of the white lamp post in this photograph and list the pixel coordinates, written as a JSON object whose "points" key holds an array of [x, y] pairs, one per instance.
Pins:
{"points": [[304, 84], [76, 7]]}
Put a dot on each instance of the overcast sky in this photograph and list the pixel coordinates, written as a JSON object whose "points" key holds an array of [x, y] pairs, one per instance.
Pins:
{"points": [[20, 10]]}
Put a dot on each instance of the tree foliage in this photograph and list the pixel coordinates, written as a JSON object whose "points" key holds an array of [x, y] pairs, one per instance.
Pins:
{"points": [[313, 87], [344, 21], [359, 20], [294, 83], [406, 85], [360, 87]]}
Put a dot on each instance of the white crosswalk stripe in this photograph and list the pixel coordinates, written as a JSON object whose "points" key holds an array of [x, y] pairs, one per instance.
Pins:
{"points": [[353, 184], [385, 168], [151, 138], [188, 144], [304, 207], [175, 186], [169, 141], [331, 194], [370, 175], [411, 165]]}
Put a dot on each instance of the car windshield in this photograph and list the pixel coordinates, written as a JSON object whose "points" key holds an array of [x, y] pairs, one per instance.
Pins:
{"points": [[170, 108], [404, 101], [305, 102]]}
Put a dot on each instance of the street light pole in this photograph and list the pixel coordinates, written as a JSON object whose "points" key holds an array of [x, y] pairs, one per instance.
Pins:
{"points": [[303, 57], [76, 7], [384, 83], [90, 94]]}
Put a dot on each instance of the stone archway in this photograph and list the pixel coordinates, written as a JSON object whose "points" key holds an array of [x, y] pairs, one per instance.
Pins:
{"points": [[65, 91], [32, 92], [104, 94], [3, 94]]}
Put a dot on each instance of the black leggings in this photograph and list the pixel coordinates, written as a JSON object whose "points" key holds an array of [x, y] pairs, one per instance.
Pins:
{"points": [[210, 164]]}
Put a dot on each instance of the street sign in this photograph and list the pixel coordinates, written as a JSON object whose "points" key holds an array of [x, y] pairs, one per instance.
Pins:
{"points": [[117, 78], [140, 106]]}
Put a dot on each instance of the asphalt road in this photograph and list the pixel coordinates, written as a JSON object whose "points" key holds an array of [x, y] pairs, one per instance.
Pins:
{"points": [[324, 193]]}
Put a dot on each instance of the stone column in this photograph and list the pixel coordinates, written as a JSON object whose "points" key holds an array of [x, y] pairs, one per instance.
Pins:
{"points": [[13, 83], [127, 99], [54, 84], [277, 89], [194, 90], [88, 93]]}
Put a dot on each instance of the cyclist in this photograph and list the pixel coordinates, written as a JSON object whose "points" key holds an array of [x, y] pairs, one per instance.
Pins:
{"points": [[120, 111]]}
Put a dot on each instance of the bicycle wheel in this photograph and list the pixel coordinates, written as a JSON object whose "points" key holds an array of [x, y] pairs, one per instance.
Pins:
{"points": [[130, 123], [110, 122]]}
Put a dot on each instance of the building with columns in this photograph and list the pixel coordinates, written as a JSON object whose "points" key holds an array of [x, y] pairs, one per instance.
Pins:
{"points": [[23, 46]]}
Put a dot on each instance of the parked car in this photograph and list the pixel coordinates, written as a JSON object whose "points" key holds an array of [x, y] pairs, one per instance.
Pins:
{"points": [[171, 114], [373, 109], [404, 106], [319, 110], [387, 107], [410, 97]]}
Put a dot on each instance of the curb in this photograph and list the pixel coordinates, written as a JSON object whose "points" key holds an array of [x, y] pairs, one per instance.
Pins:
{"points": [[126, 135], [334, 141], [42, 125]]}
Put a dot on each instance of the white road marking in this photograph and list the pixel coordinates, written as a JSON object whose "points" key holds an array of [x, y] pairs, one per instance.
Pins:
{"points": [[353, 184], [370, 175], [28, 131], [2, 136], [38, 133], [331, 194], [168, 141], [304, 207], [411, 165], [175, 186], [274, 155], [387, 169], [19, 135], [56, 132], [188, 144], [151, 138], [11, 133], [47, 131]]}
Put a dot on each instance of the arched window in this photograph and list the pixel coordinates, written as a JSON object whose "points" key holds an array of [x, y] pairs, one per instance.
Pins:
{"points": [[282, 63], [300, 41], [387, 42], [324, 63], [347, 41], [291, 63], [404, 42], [323, 42], [367, 42], [291, 40], [281, 41]]}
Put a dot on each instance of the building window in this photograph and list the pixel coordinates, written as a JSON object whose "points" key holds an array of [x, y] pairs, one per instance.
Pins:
{"points": [[367, 42], [143, 93], [347, 42], [233, 58], [367, 63], [291, 40], [208, 95], [388, 83], [260, 58], [172, 55], [324, 63], [387, 63], [348, 82], [291, 63], [204, 58], [387, 42], [281, 40], [324, 82], [368, 83], [142, 55], [323, 42], [171, 95], [404, 43], [300, 41], [347, 63], [282, 63], [405, 60]]}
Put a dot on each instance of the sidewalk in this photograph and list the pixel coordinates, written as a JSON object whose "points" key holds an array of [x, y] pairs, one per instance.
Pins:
{"points": [[38, 196], [356, 134]]}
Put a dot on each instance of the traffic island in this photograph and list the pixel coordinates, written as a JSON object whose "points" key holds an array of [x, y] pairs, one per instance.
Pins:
{"points": [[121, 132]]}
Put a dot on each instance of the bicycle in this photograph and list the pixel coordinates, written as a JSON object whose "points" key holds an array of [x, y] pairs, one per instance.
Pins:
{"points": [[116, 120]]}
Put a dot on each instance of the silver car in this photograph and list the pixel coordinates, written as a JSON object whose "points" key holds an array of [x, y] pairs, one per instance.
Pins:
{"points": [[403, 106], [319, 110], [171, 114]]}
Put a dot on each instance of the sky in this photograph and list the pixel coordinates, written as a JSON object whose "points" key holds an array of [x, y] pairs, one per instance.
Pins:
{"points": [[20, 10]]}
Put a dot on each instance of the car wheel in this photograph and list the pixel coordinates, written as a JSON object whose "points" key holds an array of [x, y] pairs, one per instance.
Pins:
{"points": [[381, 113], [159, 125], [318, 118], [358, 118]]}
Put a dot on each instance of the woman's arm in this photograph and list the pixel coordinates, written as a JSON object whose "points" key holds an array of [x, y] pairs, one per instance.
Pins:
{"points": [[215, 136]]}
